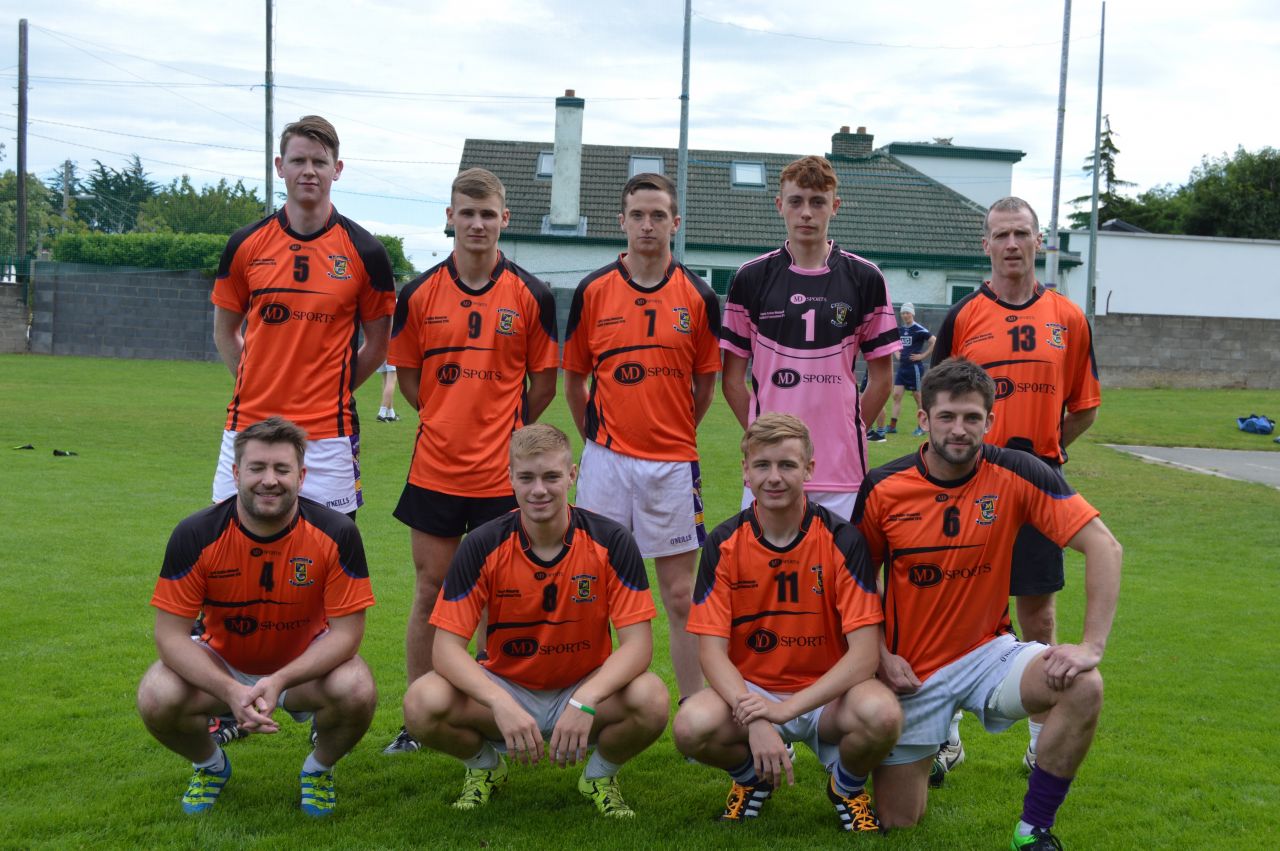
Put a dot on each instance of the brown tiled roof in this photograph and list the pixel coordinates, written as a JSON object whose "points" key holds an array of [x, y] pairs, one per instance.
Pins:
{"points": [[888, 208]]}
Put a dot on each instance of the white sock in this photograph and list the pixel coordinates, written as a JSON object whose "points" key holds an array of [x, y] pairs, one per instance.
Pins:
{"points": [[487, 757], [216, 763], [1035, 734], [598, 767], [953, 732], [382, 412], [313, 765], [1023, 829]]}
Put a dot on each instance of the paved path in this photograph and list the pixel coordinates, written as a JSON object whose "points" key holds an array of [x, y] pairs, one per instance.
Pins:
{"points": [[1240, 464]]}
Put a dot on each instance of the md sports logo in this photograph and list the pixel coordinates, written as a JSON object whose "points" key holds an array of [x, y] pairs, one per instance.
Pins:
{"points": [[448, 373], [274, 313], [241, 625], [629, 374], [762, 641], [785, 378], [520, 648], [924, 575], [1004, 388]]}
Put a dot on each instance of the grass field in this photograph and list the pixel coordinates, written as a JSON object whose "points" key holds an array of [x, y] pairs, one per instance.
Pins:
{"points": [[1185, 756]]}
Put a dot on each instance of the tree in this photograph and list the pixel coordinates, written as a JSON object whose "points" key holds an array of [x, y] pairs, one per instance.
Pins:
{"points": [[180, 208], [118, 195], [400, 265], [1111, 204], [43, 215], [1237, 196]]}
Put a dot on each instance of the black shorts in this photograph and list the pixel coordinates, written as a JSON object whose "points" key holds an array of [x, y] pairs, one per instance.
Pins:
{"points": [[909, 374], [1037, 565], [446, 515]]}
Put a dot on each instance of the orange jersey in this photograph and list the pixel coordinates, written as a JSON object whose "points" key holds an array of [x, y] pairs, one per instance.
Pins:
{"points": [[1040, 355], [785, 610], [264, 599], [946, 547], [548, 621], [642, 346], [305, 298], [475, 350]]}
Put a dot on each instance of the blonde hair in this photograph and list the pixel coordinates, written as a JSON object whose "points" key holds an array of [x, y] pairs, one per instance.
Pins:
{"points": [[477, 183], [536, 439], [312, 127], [771, 428]]}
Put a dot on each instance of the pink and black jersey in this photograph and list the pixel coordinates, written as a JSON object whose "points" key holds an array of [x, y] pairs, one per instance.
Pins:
{"points": [[803, 330]]}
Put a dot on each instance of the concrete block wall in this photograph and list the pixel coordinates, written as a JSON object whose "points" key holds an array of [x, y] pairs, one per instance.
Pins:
{"points": [[13, 319], [1145, 350], [86, 310]]}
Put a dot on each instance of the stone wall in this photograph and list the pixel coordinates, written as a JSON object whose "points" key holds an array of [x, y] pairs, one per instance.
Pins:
{"points": [[1142, 350], [13, 319]]}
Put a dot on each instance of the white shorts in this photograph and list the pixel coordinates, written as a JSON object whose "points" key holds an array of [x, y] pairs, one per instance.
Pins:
{"points": [[251, 679], [839, 503], [385, 368], [659, 501], [333, 472], [546, 706], [986, 681], [802, 728]]}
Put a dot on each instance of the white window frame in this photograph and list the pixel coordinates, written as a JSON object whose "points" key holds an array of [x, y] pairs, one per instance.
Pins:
{"points": [[641, 163]]}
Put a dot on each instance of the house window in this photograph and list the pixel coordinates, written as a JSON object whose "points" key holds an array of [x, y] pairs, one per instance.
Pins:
{"points": [[746, 173], [641, 165], [546, 164], [721, 279], [959, 289]]}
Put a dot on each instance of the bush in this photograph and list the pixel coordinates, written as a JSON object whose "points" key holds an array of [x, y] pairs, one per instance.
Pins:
{"points": [[175, 251]]}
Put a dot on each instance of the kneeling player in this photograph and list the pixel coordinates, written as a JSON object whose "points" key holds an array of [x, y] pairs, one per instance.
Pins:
{"points": [[284, 585], [943, 521], [788, 618], [554, 577]]}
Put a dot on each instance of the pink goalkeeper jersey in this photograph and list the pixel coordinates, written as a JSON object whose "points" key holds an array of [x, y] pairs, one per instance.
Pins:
{"points": [[803, 330]]}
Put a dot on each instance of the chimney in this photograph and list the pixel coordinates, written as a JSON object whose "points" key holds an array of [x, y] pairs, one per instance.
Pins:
{"points": [[566, 175], [846, 145]]}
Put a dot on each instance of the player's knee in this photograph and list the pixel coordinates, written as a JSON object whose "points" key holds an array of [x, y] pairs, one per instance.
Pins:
{"points": [[159, 694], [881, 717], [898, 814], [693, 727], [1085, 694], [351, 689], [427, 703]]}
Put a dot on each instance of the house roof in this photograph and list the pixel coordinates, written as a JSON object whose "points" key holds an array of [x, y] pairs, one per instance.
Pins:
{"points": [[947, 150], [890, 211]]}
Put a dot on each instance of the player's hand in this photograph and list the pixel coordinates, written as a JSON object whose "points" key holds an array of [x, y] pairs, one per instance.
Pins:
{"points": [[253, 705], [917, 358], [770, 754], [1064, 662], [756, 707], [570, 738], [519, 731], [896, 673]]}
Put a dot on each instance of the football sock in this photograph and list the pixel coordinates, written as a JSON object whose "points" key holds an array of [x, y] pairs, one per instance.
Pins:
{"points": [[313, 765], [598, 767], [953, 732], [216, 763], [391, 412], [893, 423], [847, 783], [1035, 734], [382, 412], [746, 773], [487, 757], [1045, 793]]}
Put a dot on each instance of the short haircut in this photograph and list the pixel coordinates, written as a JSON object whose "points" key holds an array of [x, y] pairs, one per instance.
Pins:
{"points": [[270, 431], [537, 438], [957, 377], [1009, 205], [315, 128], [810, 173], [478, 183], [649, 180], [771, 428]]}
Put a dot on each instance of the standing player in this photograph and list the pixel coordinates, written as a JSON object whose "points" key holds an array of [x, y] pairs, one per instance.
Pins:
{"points": [[307, 280], [555, 578], [284, 585], [644, 330], [1038, 347], [787, 619], [913, 360], [802, 314], [942, 521], [474, 346]]}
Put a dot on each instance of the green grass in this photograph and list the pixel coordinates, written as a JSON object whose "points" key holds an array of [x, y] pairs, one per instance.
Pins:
{"points": [[1185, 754]]}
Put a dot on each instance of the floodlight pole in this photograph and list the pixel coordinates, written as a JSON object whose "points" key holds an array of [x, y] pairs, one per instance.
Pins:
{"points": [[682, 158], [20, 246], [1051, 250], [1097, 167]]}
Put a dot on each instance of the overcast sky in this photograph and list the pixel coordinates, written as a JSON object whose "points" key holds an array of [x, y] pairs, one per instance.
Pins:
{"points": [[180, 84]]}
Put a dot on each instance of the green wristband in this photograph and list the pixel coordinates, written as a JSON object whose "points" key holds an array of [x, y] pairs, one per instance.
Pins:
{"points": [[582, 706]]}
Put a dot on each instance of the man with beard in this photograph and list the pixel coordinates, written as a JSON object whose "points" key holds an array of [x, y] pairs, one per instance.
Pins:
{"points": [[942, 522], [284, 584]]}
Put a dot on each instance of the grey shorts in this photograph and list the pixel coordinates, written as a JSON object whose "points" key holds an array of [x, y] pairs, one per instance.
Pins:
{"points": [[251, 679], [985, 681], [545, 705], [803, 728]]}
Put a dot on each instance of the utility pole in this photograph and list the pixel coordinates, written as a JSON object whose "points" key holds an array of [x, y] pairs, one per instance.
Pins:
{"points": [[269, 129], [682, 158], [1051, 252], [21, 245], [66, 194], [1097, 167]]}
